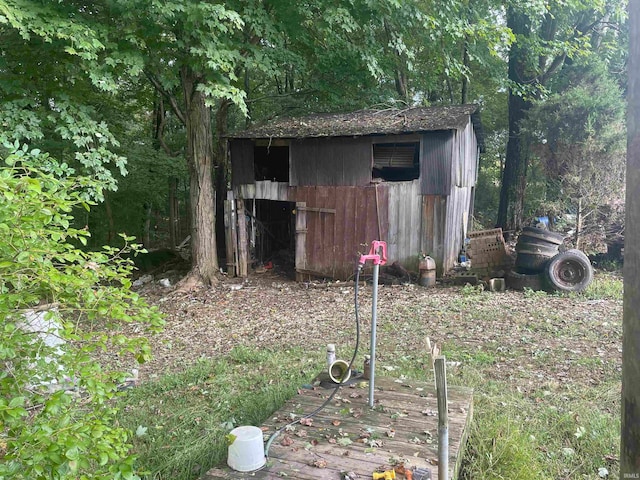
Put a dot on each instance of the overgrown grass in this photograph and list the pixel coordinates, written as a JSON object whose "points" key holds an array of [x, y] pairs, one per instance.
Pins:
{"points": [[605, 285], [181, 419], [523, 428]]}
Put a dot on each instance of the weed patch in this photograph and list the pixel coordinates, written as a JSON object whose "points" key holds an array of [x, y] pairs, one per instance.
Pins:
{"points": [[181, 419]]}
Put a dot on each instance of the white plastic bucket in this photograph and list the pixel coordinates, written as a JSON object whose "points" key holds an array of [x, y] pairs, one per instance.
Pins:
{"points": [[246, 452]]}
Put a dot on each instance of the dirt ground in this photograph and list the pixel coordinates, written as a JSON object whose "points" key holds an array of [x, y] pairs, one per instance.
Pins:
{"points": [[533, 341]]}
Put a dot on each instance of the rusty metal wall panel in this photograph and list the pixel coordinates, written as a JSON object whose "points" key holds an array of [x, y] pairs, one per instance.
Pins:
{"points": [[435, 162], [331, 161], [405, 206], [334, 240], [434, 209], [241, 162]]}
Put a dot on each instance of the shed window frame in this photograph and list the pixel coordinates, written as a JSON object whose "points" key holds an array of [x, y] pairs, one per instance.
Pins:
{"points": [[390, 159], [277, 169]]}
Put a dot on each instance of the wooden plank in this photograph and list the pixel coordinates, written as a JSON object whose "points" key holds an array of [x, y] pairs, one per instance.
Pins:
{"points": [[301, 237], [242, 239], [310, 447], [319, 210], [231, 265], [341, 260], [443, 418]]}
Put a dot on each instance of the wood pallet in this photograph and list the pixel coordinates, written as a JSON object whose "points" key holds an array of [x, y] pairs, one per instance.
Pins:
{"points": [[348, 436]]}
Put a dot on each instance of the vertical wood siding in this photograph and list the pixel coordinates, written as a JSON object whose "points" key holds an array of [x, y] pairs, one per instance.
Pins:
{"points": [[457, 203], [434, 215], [331, 161], [435, 163], [334, 240], [404, 238], [242, 162]]}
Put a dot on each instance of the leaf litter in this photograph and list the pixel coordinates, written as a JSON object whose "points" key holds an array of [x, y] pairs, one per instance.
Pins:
{"points": [[535, 342]]}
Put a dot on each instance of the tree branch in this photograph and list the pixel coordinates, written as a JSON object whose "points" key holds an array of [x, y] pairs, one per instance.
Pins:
{"points": [[555, 65], [171, 98], [162, 121]]}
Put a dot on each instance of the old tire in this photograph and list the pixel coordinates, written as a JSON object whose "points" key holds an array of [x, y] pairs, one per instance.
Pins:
{"points": [[569, 272], [533, 262], [547, 249], [541, 234], [520, 281], [580, 253]]}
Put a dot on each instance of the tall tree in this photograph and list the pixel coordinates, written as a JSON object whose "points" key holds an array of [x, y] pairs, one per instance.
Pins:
{"points": [[575, 132], [187, 51], [547, 34]]}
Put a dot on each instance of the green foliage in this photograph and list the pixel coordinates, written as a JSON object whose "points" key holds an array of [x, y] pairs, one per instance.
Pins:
{"points": [[502, 445], [605, 285], [579, 130], [186, 417], [58, 304], [51, 85]]}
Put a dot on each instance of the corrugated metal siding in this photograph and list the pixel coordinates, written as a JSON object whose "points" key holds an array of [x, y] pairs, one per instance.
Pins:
{"points": [[334, 240], [465, 164], [331, 161], [457, 203], [405, 205], [241, 162], [434, 215], [435, 163]]}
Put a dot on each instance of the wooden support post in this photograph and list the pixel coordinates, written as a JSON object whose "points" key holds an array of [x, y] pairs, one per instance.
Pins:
{"points": [[630, 426], [242, 239], [301, 239], [228, 219], [443, 418]]}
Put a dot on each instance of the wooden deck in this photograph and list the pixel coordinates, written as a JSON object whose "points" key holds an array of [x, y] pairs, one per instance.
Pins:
{"points": [[348, 436]]}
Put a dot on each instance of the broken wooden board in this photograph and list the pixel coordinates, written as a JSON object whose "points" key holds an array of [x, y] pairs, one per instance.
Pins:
{"points": [[348, 436]]}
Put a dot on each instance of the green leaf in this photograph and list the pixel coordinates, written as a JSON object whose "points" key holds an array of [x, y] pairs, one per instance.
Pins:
{"points": [[72, 453]]}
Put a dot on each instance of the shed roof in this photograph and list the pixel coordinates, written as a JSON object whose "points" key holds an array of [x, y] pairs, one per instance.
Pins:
{"points": [[364, 122]]}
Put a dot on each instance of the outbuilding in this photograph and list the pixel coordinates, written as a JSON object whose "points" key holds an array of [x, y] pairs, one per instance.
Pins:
{"points": [[318, 189]]}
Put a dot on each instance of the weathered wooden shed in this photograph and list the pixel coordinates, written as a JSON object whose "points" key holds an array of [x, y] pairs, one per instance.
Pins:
{"points": [[320, 188]]}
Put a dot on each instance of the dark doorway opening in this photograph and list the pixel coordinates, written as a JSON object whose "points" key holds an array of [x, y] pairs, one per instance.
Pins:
{"points": [[271, 163], [273, 235]]}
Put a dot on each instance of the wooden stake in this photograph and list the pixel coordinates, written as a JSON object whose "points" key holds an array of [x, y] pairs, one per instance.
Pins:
{"points": [[443, 418]]}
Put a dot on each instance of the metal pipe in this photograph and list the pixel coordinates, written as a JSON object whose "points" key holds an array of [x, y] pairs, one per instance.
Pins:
{"points": [[374, 319]]}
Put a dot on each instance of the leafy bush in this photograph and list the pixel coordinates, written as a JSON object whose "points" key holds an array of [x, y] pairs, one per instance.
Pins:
{"points": [[58, 305]]}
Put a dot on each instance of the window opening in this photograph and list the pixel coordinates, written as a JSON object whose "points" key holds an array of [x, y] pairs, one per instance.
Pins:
{"points": [[271, 163], [396, 162]]}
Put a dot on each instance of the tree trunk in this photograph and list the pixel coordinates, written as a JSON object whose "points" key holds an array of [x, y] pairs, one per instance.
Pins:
{"points": [[630, 426], [464, 94], [146, 226], [173, 211], [204, 256], [514, 178], [221, 169], [579, 221], [111, 233]]}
